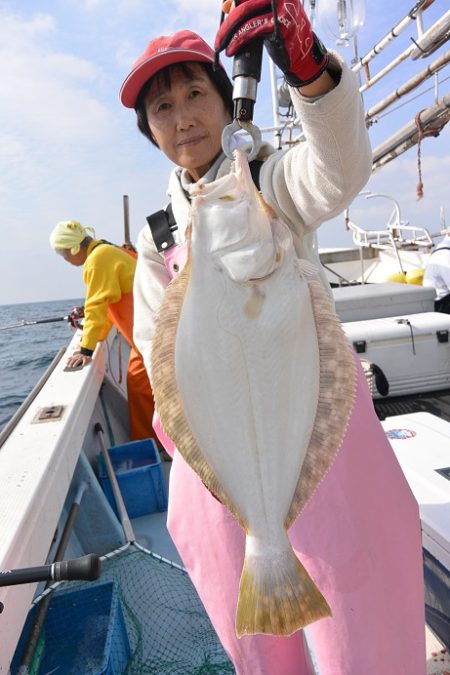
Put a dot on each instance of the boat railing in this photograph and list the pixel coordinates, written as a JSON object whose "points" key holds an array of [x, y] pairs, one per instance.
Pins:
{"points": [[396, 234], [379, 239], [396, 237], [418, 237]]}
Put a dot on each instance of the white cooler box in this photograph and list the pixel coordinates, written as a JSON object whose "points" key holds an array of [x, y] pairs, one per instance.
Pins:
{"points": [[373, 301], [421, 443], [412, 351]]}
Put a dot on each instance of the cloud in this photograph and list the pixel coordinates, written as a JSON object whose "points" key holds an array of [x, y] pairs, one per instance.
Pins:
{"points": [[48, 108], [54, 130], [403, 174], [118, 5], [166, 17], [197, 6], [200, 15], [127, 53], [44, 91], [93, 4]]}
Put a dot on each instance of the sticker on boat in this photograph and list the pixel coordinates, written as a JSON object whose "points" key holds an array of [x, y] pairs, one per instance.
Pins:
{"points": [[400, 434]]}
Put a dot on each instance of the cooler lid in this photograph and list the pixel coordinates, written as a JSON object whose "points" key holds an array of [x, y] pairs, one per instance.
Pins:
{"points": [[358, 296], [421, 443], [423, 324]]}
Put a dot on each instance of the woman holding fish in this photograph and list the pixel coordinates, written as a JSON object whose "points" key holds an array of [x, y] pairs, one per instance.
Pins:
{"points": [[286, 503]]}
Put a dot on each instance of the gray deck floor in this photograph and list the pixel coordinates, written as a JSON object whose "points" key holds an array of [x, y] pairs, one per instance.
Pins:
{"points": [[436, 402]]}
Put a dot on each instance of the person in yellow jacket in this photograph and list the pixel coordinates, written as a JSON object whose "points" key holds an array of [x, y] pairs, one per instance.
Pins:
{"points": [[108, 272]]}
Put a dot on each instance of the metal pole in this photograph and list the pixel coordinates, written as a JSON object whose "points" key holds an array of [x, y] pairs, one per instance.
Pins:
{"points": [[407, 136], [275, 104], [126, 220], [124, 518], [412, 83], [433, 38], [393, 33]]}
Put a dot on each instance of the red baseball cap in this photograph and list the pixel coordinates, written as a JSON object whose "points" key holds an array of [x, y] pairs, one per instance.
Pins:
{"points": [[184, 45]]}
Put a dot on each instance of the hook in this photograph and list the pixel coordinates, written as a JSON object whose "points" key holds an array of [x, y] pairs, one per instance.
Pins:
{"points": [[236, 126]]}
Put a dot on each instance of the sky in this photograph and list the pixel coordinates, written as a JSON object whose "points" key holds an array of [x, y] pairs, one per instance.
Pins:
{"points": [[69, 150]]}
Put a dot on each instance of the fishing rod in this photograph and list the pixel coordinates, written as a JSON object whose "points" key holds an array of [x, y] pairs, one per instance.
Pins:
{"points": [[86, 568], [24, 322], [74, 317]]}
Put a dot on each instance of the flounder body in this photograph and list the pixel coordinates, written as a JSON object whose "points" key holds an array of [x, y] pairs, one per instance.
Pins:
{"points": [[254, 382]]}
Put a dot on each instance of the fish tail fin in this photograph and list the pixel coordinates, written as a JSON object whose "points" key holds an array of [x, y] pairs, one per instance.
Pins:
{"points": [[276, 595]]}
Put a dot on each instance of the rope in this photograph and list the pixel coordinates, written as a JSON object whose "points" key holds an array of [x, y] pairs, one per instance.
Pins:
{"points": [[422, 132]]}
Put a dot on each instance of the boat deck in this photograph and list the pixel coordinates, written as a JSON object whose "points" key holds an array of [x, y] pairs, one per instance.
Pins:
{"points": [[437, 403], [438, 658], [149, 585]]}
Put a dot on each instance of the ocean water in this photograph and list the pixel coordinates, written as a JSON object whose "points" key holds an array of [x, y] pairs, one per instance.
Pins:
{"points": [[27, 351]]}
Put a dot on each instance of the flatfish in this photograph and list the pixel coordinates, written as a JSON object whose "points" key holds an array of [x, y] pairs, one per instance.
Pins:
{"points": [[254, 381]]}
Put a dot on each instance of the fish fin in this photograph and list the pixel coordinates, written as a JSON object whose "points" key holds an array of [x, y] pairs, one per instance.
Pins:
{"points": [[165, 391], [337, 391], [277, 596]]}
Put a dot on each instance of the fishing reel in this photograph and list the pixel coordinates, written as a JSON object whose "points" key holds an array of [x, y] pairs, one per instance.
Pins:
{"points": [[75, 317]]}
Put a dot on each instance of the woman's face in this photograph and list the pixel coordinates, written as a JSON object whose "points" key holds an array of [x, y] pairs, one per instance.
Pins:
{"points": [[76, 259], [187, 119]]}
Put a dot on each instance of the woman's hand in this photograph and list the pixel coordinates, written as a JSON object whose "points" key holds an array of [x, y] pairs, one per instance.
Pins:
{"points": [[295, 50], [77, 360]]}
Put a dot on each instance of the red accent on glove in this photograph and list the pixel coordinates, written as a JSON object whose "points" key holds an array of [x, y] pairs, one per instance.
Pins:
{"points": [[298, 53]]}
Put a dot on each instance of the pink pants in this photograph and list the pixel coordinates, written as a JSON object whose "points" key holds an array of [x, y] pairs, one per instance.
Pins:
{"points": [[359, 538]]}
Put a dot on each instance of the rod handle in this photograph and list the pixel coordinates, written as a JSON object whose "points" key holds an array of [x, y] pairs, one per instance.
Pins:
{"points": [[87, 568]]}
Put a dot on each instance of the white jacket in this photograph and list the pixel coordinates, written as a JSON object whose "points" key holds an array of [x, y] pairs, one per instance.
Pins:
{"points": [[306, 185], [437, 272]]}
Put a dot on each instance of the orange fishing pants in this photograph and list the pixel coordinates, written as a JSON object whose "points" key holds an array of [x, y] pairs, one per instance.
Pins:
{"points": [[140, 397]]}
